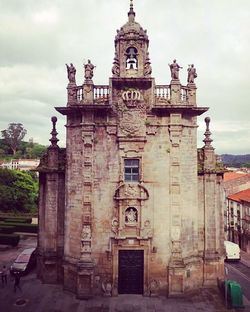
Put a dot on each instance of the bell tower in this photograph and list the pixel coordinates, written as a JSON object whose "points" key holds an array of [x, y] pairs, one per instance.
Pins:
{"points": [[131, 50]]}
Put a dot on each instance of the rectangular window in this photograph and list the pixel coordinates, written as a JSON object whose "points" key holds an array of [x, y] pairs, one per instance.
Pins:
{"points": [[232, 212], [131, 170]]}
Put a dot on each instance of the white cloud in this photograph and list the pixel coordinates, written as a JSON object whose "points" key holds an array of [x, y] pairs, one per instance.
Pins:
{"points": [[46, 17], [39, 37]]}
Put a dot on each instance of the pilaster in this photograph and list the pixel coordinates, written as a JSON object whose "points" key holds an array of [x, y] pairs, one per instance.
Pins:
{"points": [[175, 92], [85, 267], [176, 265]]}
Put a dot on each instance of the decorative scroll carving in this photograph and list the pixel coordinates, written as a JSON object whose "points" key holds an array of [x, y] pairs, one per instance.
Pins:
{"points": [[131, 191], [115, 225], [86, 239], [147, 231], [151, 129], [123, 192], [86, 232], [87, 138], [116, 66]]}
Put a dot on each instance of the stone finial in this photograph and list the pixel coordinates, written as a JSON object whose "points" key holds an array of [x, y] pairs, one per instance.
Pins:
{"points": [[131, 13], [207, 134], [54, 133]]}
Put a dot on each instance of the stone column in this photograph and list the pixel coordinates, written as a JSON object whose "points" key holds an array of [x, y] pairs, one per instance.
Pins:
{"points": [[176, 265], [213, 213], [51, 210]]}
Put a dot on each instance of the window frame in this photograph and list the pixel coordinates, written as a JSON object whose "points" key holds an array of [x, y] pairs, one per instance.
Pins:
{"points": [[134, 176]]}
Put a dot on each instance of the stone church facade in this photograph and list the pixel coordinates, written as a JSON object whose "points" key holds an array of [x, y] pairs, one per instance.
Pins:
{"points": [[130, 205]]}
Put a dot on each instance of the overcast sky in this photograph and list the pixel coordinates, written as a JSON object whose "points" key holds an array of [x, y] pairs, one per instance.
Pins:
{"points": [[37, 38]]}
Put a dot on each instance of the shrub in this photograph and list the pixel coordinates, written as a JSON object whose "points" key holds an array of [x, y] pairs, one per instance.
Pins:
{"points": [[5, 229], [22, 227], [18, 220], [9, 239]]}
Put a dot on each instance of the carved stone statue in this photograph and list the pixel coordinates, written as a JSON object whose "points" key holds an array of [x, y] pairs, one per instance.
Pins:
{"points": [[89, 69], [191, 73], [174, 68], [71, 73], [130, 215]]}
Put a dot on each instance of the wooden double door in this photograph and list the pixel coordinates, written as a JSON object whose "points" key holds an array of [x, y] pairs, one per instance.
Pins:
{"points": [[130, 271]]}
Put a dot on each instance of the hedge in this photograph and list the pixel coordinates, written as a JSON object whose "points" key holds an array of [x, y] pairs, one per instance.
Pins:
{"points": [[17, 220], [22, 227], [7, 229], [9, 239]]}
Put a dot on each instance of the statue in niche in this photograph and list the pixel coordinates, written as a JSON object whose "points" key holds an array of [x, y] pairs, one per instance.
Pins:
{"points": [[71, 73], [131, 215], [86, 232], [174, 68], [191, 73], [116, 66], [89, 69]]}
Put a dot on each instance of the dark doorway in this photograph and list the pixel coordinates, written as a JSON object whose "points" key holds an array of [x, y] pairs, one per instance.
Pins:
{"points": [[130, 266]]}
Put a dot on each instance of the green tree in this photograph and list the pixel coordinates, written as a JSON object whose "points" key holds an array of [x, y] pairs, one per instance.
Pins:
{"points": [[18, 191], [13, 135]]}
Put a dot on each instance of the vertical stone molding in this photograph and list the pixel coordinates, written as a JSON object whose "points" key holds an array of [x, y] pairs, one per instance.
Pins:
{"points": [[88, 92], [191, 94], [72, 94], [175, 92]]}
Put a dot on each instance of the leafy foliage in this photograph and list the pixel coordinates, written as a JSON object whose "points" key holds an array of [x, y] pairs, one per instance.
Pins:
{"points": [[18, 191], [27, 150], [13, 135]]}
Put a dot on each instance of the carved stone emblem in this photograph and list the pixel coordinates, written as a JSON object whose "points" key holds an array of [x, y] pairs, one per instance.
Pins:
{"points": [[131, 123], [131, 191]]}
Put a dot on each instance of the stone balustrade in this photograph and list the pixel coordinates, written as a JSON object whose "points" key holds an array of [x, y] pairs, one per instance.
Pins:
{"points": [[87, 93], [162, 92], [98, 93], [173, 94], [101, 92]]}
